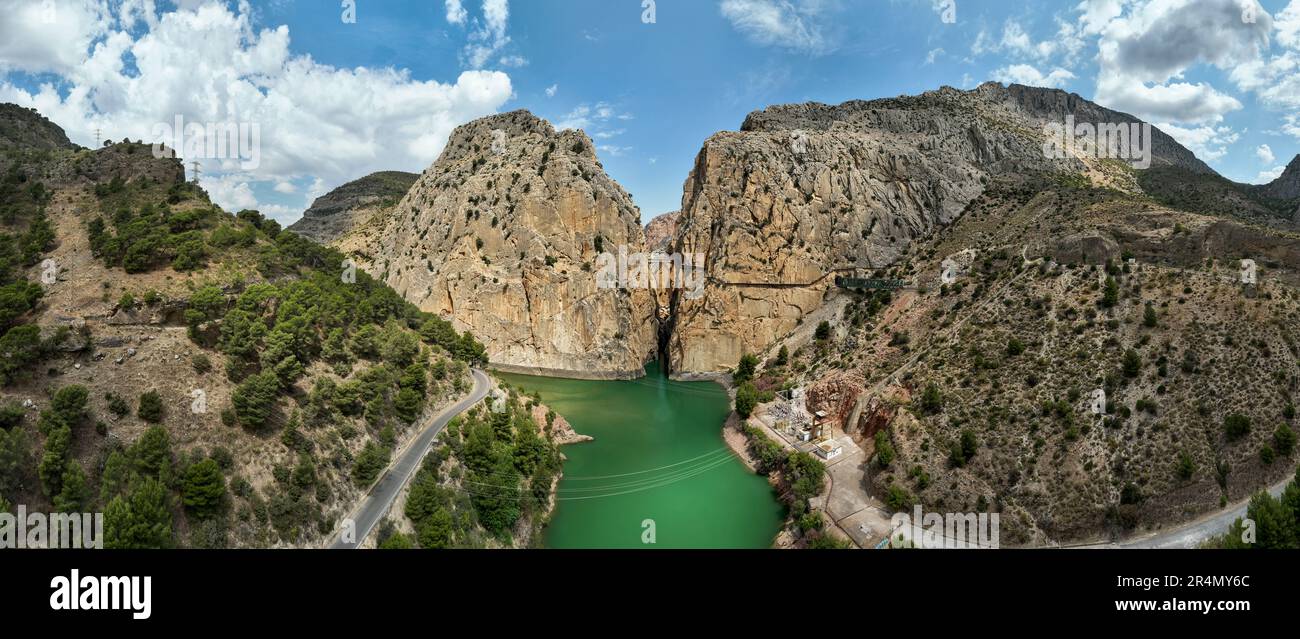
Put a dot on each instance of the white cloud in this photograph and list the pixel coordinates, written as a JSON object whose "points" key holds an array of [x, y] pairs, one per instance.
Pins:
{"points": [[1209, 143], [1096, 14], [456, 13], [1287, 22], [1145, 52], [613, 150], [210, 64], [1265, 154], [230, 192], [1291, 125], [1274, 173], [514, 61], [933, 55], [1177, 101], [285, 187], [488, 35], [552, 90], [791, 24], [1028, 75], [591, 118], [38, 38]]}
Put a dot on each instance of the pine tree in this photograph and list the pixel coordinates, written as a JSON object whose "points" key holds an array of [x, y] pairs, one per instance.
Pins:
{"points": [[140, 519], [1110, 295], [203, 488], [75, 494]]}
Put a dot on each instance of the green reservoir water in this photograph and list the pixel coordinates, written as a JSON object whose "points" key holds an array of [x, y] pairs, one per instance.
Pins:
{"points": [[658, 454]]}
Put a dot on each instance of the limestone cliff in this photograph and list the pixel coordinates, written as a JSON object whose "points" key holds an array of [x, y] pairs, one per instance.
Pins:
{"points": [[501, 236], [804, 192], [660, 231]]}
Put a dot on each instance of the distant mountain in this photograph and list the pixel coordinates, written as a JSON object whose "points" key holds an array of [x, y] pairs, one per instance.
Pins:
{"points": [[1287, 185], [660, 231], [335, 214]]}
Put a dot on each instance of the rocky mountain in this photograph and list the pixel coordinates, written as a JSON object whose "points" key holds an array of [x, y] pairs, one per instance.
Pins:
{"points": [[803, 192], [1034, 283], [501, 235], [1287, 185], [334, 214], [25, 129], [660, 231]]}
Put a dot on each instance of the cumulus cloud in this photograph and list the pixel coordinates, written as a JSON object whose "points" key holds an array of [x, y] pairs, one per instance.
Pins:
{"points": [[1269, 175], [1209, 143], [790, 24], [456, 13], [1028, 75], [552, 90], [209, 64], [1265, 154], [1145, 52], [37, 37]]}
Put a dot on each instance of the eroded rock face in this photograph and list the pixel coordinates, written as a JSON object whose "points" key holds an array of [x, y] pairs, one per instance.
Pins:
{"points": [[501, 236], [804, 192], [334, 214], [1287, 185], [660, 231]]}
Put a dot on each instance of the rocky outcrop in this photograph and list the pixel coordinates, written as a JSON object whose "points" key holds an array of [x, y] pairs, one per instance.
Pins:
{"points": [[1287, 185], [836, 395], [804, 192], [501, 235], [334, 214], [557, 427], [132, 162], [661, 230], [25, 129]]}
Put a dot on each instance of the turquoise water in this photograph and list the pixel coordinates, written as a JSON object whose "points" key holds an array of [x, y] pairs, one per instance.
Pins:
{"points": [[658, 455]]}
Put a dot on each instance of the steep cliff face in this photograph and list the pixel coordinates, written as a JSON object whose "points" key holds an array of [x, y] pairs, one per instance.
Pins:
{"points": [[334, 214], [1287, 185], [660, 231], [804, 192], [501, 236]]}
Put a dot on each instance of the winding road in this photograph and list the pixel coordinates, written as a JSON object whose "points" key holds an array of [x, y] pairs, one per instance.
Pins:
{"points": [[1193, 533], [382, 495]]}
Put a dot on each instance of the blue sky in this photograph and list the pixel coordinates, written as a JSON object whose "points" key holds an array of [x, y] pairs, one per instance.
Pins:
{"points": [[336, 99]]}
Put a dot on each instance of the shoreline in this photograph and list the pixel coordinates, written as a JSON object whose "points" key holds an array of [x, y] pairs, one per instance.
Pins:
{"points": [[734, 435], [559, 373]]}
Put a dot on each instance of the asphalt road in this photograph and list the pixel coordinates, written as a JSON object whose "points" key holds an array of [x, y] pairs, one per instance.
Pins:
{"points": [[399, 472]]}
